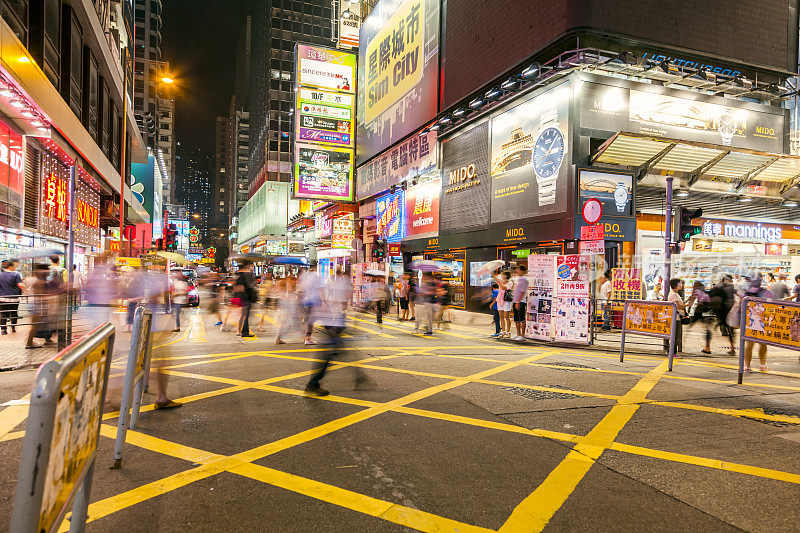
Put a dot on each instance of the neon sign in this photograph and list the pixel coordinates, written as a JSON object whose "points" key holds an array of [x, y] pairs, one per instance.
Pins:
{"points": [[55, 197]]}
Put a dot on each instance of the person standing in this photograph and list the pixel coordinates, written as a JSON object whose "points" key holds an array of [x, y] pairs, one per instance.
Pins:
{"points": [[504, 303], [247, 294], [425, 295], [779, 289], [10, 289], [495, 312], [404, 286], [605, 297], [331, 317], [754, 289], [180, 291], [674, 296], [520, 301]]}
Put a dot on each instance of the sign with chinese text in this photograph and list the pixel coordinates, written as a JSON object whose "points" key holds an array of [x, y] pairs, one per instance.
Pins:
{"points": [[751, 231], [323, 172], [398, 70], [12, 178], [422, 209], [571, 312], [324, 117], [777, 323], [390, 216], [194, 235], [325, 68], [541, 293], [413, 157], [651, 318], [343, 231], [54, 204], [349, 24], [592, 247], [323, 225], [626, 284], [593, 233]]}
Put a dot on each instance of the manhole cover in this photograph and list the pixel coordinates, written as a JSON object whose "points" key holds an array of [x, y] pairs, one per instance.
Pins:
{"points": [[568, 366], [533, 394]]}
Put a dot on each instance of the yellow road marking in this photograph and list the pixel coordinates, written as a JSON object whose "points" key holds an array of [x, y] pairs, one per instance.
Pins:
{"points": [[535, 511], [12, 416], [394, 328], [399, 514], [198, 328], [164, 447], [372, 331]]}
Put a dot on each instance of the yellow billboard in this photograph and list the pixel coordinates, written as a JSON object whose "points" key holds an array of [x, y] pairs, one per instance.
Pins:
{"points": [[395, 58], [651, 318], [778, 323]]}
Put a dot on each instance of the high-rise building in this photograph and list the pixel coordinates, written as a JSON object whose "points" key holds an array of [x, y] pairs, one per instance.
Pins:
{"points": [[222, 182], [195, 171], [241, 86], [240, 154], [152, 97], [276, 27]]}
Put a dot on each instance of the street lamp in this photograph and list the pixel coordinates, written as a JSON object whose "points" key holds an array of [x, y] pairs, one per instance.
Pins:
{"points": [[167, 79]]}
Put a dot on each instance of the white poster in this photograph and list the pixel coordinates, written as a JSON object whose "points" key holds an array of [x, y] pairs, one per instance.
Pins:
{"points": [[571, 312], [541, 275]]}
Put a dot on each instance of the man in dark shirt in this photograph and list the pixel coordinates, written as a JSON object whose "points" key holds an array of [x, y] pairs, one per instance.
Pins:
{"points": [[247, 294], [10, 289]]}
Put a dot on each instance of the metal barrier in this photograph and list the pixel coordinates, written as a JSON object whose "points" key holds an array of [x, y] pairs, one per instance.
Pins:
{"points": [[133, 388], [61, 434], [652, 319], [770, 322]]}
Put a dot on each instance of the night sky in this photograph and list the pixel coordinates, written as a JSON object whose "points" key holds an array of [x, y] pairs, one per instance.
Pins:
{"points": [[200, 45]]}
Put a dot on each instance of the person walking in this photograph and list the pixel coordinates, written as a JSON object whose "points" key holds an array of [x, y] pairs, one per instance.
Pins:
{"points": [[412, 295], [180, 292], [40, 326], [723, 297], [331, 316], [495, 312], [247, 294], [310, 287], [702, 304], [754, 289], [504, 303], [403, 297], [425, 295], [10, 290], [674, 296], [520, 301]]}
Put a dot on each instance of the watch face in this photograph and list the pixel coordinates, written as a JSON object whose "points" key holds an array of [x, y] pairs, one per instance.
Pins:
{"points": [[548, 152], [621, 195]]}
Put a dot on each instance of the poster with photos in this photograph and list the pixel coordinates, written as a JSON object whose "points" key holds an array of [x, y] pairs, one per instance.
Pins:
{"points": [[541, 290], [571, 314]]}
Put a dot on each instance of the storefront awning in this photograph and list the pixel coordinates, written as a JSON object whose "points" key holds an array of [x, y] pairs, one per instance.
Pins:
{"points": [[698, 160]]}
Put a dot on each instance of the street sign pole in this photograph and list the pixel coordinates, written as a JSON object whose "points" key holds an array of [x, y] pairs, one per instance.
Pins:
{"points": [[668, 239]]}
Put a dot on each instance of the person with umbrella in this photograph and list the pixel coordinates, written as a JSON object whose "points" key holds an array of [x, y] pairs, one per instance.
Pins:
{"points": [[426, 293]]}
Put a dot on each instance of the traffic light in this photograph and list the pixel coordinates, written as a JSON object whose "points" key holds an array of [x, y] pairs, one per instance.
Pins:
{"points": [[379, 250], [684, 229], [171, 237], [159, 244]]}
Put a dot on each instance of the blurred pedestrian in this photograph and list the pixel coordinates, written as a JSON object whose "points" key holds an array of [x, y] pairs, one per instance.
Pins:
{"points": [[132, 290], [40, 327], [101, 289], [247, 295], [331, 316], [403, 295], [754, 289], [426, 292], [378, 296], [310, 288], [675, 288], [444, 298], [702, 304], [10, 290], [520, 301], [722, 298], [605, 299], [779, 289], [180, 293], [412, 295]]}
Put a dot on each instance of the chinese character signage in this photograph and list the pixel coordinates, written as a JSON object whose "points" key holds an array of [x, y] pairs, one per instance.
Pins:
{"points": [[323, 172], [349, 24], [541, 293], [343, 231], [12, 179], [751, 231], [390, 216], [54, 205], [651, 318], [422, 209], [398, 72], [571, 313], [626, 284], [413, 157], [323, 126], [777, 323], [323, 225]]}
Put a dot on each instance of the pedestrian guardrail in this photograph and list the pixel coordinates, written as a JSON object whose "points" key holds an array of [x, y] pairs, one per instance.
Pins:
{"points": [[136, 369], [651, 318], [61, 434], [770, 322]]}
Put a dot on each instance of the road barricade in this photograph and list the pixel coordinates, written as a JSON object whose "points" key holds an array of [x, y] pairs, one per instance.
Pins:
{"points": [[135, 371], [770, 322], [652, 318], [61, 434]]}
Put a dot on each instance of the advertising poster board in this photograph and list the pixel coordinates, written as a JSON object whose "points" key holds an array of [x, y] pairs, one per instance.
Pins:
{"points": [[390, 217], [541, 292], [413, 157], [325, 68], [464, 198], [773, 322], [398, 71], [571, 311], [422, 209], [323, 172], [626, 284], [343, 231], [530, 159], [614, 190], [650, 318]]}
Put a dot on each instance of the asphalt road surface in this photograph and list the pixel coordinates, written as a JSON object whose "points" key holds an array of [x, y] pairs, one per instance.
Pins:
{"points": [[453, 432]]}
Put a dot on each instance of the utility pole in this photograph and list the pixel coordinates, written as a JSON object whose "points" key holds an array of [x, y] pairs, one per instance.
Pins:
{"points": [[668, 239]]}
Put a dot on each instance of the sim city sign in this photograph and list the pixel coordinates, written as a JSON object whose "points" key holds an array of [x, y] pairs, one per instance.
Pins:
{"points": [[739, 230]]}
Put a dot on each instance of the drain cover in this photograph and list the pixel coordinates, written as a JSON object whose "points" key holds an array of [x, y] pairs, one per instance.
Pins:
{"points": [[533, 394], [567, 366]]}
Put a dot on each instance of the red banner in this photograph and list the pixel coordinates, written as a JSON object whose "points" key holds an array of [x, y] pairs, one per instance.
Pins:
{"points": [[11, 160], [422, 209]]}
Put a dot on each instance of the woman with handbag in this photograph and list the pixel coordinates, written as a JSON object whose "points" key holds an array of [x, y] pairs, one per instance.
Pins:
{"points": [[505, 300]]}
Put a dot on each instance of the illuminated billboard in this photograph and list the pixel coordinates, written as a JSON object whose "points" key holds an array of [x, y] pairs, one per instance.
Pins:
{"points": [[323, 172], [398, 72]]}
